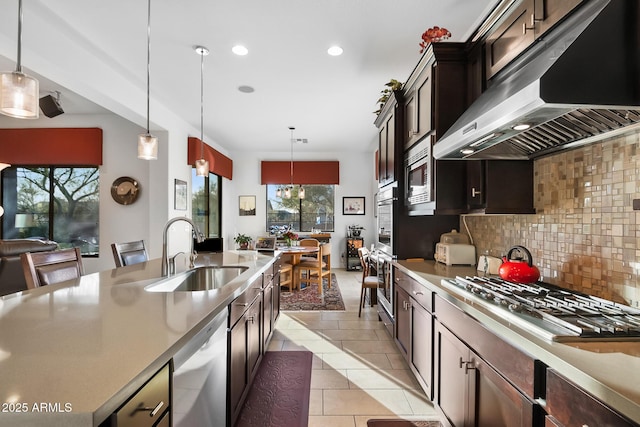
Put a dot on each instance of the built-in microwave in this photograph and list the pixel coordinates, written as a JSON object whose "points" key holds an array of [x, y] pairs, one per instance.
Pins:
{"points": [[418, 163]]}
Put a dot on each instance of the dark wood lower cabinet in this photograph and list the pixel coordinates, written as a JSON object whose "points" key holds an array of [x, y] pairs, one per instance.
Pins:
{"points": [[403, 321], [244, 356], [472, 393], [563, 398]]}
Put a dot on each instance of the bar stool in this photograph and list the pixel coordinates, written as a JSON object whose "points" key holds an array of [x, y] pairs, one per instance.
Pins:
{"points": [[368, 282]]}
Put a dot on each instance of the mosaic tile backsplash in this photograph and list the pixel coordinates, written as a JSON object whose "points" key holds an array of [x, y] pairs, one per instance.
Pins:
{"points": [[585, 234]]}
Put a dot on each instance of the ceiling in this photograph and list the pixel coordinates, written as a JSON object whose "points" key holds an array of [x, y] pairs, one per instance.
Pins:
{"points": [[329, 100]]}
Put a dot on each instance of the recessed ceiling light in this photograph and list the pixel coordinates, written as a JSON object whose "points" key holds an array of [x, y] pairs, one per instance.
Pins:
{"points": [[521, 126], [335, 51], [246, 89], [239, 50]]}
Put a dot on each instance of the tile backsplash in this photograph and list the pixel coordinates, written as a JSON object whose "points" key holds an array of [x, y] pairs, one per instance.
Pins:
{"points": [[585, 234]]}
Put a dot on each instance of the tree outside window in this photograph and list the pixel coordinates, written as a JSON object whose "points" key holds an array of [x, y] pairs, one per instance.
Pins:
{"points": [[315, 211], [56, 203]]}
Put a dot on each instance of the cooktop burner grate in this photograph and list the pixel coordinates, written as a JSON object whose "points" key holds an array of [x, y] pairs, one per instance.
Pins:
{"points": [[554, 312]]}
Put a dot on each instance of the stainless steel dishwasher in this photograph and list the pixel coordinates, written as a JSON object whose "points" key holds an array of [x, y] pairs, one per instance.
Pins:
{"points": [[200, 377]]}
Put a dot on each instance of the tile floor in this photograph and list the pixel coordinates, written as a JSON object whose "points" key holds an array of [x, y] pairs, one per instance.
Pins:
{"points": [[358, 372]]}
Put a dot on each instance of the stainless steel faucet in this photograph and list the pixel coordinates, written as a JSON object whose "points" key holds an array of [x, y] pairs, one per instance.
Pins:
{"points": [[165, 255]]}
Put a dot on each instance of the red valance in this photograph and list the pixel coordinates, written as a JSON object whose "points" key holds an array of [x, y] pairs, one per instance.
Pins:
{"points": [[51, 146], [304, 172], [218, 163]]}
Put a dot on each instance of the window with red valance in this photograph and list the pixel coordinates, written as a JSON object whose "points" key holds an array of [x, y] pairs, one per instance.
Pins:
{"points": [[304, 172]]}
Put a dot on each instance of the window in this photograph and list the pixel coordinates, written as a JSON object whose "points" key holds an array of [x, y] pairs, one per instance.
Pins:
{"points": [[56, 203], [314, 211], [206, 208]]}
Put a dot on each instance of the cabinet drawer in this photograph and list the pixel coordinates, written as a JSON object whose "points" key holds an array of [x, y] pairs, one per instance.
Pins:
{"points": [[149, 404], [563, 397], [422, 295], [239, 305], [518, 367]]}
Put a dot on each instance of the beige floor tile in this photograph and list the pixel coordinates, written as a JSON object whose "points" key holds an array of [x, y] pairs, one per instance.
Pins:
{"points": [[369, 347], [315, 402], [420, 404], [397, 361], [313, 325], [329, 379], [275, 345], [350, 361], [332, 421], [383, 335], [382, 379], [350, 334], [339, 315], [360, 324], [361, 402], [297, 335], [315, 346]]}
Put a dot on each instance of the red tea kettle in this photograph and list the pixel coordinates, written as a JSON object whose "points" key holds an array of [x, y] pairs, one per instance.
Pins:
{"points": [[517, 270]]}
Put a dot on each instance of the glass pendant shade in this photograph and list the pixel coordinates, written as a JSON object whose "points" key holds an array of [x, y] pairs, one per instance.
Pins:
{"points": [[287, 193], [19, 95], [202, 167], [301, 192], [147, 146], [279, 192]]}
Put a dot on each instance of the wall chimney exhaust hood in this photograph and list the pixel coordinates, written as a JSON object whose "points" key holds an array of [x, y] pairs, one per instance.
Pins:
{"points": [[576, 85]]}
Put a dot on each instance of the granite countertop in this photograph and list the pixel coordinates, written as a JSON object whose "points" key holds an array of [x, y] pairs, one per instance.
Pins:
{"points": [[609, 370], [72, 353]]}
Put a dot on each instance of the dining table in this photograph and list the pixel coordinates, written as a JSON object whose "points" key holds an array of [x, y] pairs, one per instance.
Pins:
{"points": [[296, 253]]}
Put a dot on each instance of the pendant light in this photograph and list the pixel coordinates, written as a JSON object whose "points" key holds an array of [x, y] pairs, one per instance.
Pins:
{"points": [[202, 165], [19, 93], [147, 143], [288, 191]]}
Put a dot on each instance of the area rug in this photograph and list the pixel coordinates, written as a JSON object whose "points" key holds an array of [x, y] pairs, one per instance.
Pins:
{"points": [[402, 423], [308, 297], [279, 395]]}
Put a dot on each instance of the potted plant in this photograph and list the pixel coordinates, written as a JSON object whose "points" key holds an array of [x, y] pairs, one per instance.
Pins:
{"points": [[289, 236], [242, 240], [393, 85]]}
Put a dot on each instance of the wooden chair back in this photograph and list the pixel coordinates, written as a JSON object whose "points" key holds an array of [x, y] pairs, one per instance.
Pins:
{"points": [[47, 268], [129, 253]]}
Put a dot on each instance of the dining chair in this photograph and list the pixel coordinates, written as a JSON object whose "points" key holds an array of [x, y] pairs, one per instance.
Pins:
{"points": [[286, 275], [129, 253], [368, 281], [47, 268], [308, 242], [314, 269]]}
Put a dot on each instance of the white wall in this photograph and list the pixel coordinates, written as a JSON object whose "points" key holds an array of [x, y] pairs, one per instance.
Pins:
{"points": [[356, 179]]}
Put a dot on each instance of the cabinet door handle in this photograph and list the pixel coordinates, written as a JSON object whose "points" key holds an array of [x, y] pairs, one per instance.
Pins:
{"points": [[417, 293], [241, 304], [152, 410], [532, 27], [468, 365], [475, 192], [250, 319]]}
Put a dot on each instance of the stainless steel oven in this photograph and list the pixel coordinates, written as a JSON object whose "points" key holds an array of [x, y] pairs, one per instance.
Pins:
{"points": [[383, 255]]}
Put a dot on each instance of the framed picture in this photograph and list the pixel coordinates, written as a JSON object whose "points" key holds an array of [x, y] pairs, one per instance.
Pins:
{"points": [[266, 244], [247, 205], [180, 195], [353, 206]]}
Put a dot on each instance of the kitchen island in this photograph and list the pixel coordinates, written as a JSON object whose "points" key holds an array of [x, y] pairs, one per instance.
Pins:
{"points": [[607, 370], [72, 353]]}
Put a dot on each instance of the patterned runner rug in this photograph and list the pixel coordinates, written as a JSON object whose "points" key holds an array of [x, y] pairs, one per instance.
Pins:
{"points": [[279, 395], [308, 297]]}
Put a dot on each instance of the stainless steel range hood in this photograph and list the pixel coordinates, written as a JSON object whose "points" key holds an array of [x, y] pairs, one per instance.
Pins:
{"points": [[578, 84]]}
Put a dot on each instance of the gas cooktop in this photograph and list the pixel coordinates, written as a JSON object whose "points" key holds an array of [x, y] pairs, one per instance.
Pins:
{"points": [[552, 312]]}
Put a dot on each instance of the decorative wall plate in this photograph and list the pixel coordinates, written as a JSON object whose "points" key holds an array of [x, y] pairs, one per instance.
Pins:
{"points": [[124, 190]]}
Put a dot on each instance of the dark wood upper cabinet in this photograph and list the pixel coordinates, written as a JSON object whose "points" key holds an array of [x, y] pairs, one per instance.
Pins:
{"points": [[435, 92], [390, 123], [500, 186], [520, 27]]}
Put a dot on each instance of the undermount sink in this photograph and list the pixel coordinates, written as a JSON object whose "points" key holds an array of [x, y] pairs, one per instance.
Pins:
{"points": [[198, 279]]}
